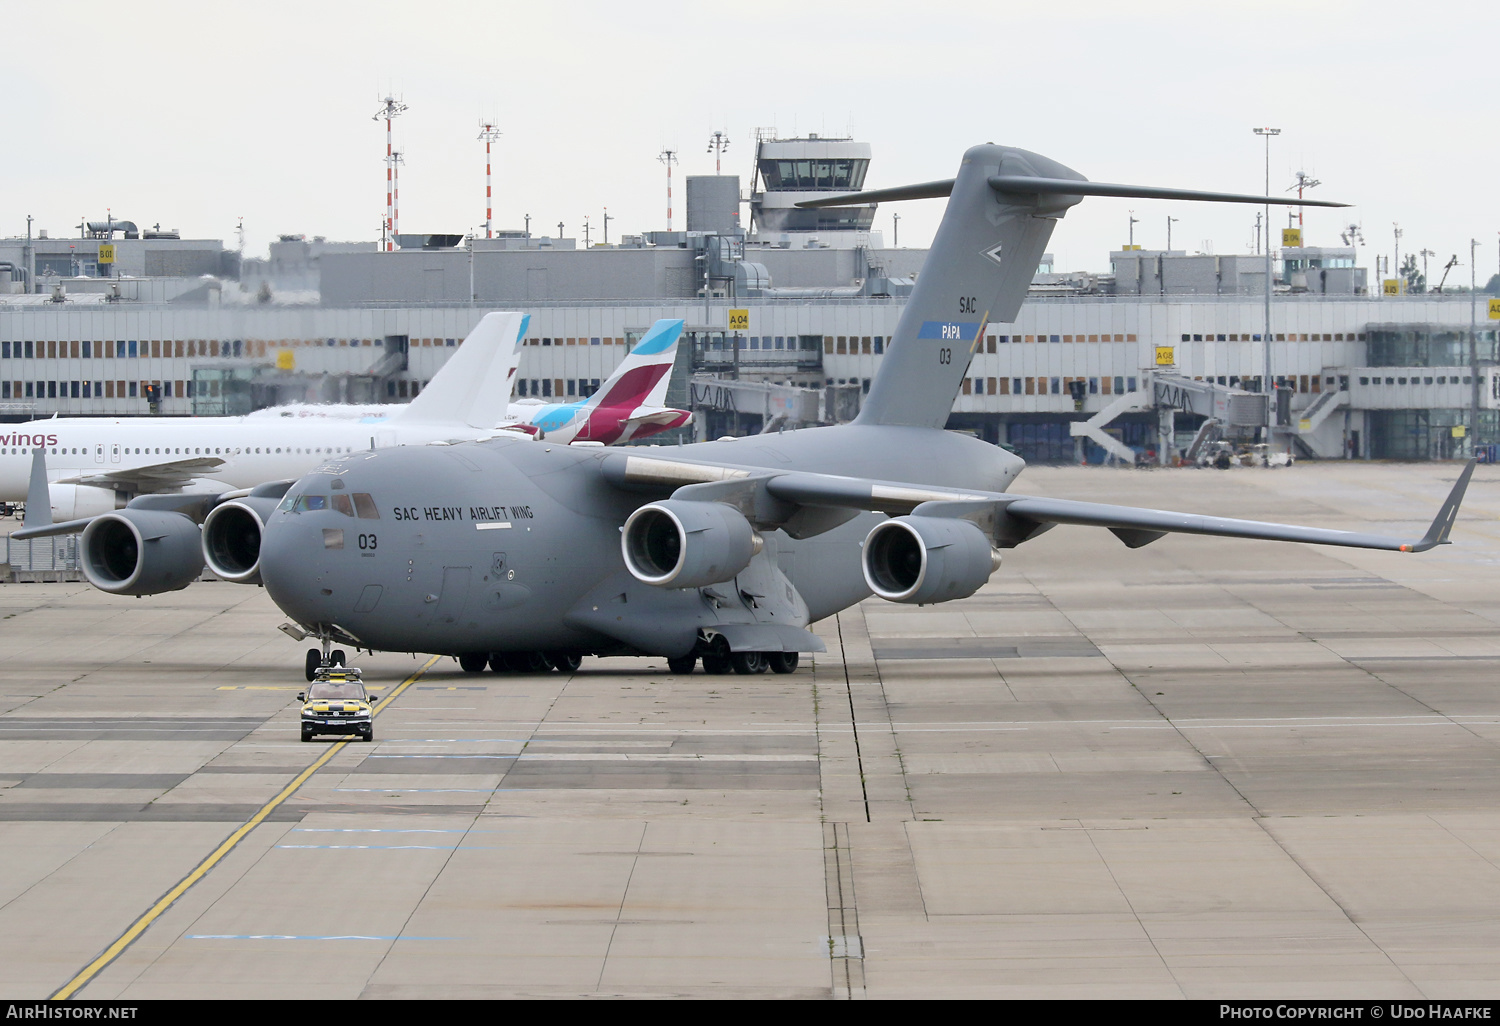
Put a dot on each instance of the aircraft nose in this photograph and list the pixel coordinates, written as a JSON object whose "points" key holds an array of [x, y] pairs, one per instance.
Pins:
{"points": [[294, 567]]}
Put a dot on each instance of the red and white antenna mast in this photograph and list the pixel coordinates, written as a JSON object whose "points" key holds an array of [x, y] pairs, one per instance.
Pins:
{"points": [[1304, 181], [489, 133], [397, 159], [668, 157], [717, 144], [390, 108]]}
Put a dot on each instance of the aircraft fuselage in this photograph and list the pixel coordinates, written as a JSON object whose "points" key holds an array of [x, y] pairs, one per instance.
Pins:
{"points": [[514, 545]]}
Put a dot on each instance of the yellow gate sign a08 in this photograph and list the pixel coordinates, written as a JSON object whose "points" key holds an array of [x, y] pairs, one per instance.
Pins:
{"points": [[1166, 356], [1495, 309], [739, 320]]}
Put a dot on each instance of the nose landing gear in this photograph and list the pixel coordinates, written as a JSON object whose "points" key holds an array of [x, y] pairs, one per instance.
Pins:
{"points": [[327, 656]]}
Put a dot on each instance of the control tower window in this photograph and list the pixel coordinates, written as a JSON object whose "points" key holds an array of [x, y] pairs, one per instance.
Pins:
{"points": [[810, 175]]}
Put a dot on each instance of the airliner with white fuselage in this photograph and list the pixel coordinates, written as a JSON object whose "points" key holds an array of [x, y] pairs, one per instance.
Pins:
{"points": [[97, 464], [627, 407]]}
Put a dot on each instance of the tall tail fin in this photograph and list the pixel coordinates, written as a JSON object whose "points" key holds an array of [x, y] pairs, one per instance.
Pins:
{"points": [[473, 387], [982, 260], [642, 377], [1002, 208]]}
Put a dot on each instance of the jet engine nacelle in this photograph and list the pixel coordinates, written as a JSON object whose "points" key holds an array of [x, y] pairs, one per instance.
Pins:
{"points": [[679, 543], [927, 559], [231, 538], [74, 502], [141, 552]]}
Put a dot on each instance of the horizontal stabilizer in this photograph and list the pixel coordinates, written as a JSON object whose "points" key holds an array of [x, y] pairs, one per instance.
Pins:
{"points": [[1022, 184], [927, 190]]}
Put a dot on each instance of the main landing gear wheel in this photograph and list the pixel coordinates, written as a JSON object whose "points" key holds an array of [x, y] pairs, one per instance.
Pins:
{"points": [[563, 662], [473, 662], [338, 658], [525, 662], [314, 660], [682, 665], [782, 662], [497, 662], [717, 658], [748, 662]]}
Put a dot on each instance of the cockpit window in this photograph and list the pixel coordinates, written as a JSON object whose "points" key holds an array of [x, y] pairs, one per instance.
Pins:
{"points": [[342, 505], [366, 506], [304, 503]]}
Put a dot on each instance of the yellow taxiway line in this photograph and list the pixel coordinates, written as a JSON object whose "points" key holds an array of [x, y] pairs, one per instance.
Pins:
{"points": [[138, 927]]}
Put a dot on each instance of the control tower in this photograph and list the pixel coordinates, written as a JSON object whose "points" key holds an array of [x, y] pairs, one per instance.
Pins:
{"points": [[789, 171]]}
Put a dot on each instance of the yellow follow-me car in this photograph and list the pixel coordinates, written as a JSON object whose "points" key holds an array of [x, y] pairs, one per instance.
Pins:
{"points": [[337, 703]]}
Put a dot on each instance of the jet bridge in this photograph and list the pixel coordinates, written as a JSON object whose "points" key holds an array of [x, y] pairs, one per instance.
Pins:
{"points": [[1225, 409]]}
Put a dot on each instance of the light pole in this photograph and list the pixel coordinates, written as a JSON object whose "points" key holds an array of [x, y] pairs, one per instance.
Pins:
{"points": [[1131, 231], [1267, 133], [1473, 347], [1397, 232], [895, 231], [1169, 232], [717, 144]]}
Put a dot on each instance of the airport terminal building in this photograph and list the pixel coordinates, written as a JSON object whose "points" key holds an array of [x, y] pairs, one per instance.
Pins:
{"points": [[1357, 375]]}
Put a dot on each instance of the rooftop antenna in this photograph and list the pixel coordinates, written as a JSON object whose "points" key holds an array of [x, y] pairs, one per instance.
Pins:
{"points": [[1352, 235], [717, 144], [1396, 230], [668, 157], [489, 133], [607, 219], [1133, 222], [390, 108], [240, 231], [585, 231], [1304, 181]]}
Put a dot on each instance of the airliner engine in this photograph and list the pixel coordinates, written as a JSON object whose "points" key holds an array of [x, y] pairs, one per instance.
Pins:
{"points": [[141, 552], [927, 559], [231, 538], [74, 502], [680, 543]]}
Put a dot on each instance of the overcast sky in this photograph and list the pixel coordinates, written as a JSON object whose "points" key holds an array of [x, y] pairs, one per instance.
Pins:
{"points": [[195, 114]]}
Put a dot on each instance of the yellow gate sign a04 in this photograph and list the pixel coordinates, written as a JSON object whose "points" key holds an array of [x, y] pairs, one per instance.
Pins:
{"points": [[739, 320]]}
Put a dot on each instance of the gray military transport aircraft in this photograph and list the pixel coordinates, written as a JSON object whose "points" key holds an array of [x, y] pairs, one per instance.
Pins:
{"points": [[522, 555]]}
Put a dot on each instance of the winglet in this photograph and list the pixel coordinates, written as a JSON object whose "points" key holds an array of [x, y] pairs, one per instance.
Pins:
{"points": [[1437, 534], [38, 495]]}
